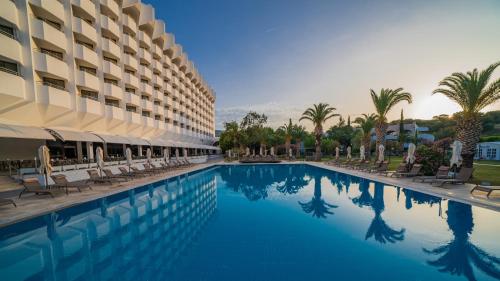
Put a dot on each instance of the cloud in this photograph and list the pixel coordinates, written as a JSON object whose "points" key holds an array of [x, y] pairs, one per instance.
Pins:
{"points": [[277, 114]]}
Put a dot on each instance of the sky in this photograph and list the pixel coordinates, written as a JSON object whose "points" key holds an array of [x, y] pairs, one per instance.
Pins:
{"points": [[279, 57]]}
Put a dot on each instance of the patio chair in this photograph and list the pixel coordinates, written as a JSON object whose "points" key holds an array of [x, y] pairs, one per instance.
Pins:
{"points": [[485, 188], [381, 168], [110, 175], [402, 168], [62, 181], [96, 178], [462, 177], [5, 201], [130, 174], [371, 166], [141, 172], [31, 185], [442, 173], [152, 169], [414, 171]]}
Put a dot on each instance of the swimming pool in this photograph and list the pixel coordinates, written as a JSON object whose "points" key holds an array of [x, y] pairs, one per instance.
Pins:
{"points": [[258, 222]]}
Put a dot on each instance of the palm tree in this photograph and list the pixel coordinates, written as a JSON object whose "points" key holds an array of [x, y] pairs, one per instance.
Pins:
{"points": [[472, 93], [317, 206], [298, 133], [384, 102], [366, 124], [457, 256], [318, 115], [288, 130]]}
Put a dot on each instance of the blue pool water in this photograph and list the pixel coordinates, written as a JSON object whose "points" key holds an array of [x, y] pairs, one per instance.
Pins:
{"points": [[263, 222]]}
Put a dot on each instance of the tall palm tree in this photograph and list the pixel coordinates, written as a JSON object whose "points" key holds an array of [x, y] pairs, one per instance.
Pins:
{"points": [[458, 256], [318, 115], [298, 133], [472, 93], [288, 130], [366, 124], [384, 101]]}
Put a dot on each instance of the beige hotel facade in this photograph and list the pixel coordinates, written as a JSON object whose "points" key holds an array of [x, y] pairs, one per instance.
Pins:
{"points": [[76, 74]]}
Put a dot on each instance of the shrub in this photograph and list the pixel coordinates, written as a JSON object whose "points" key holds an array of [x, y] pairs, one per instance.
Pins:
{"points": [[430, 158]]}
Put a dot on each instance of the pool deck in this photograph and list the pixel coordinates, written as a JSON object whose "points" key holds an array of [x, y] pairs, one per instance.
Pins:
{"points": [[31, 205]]}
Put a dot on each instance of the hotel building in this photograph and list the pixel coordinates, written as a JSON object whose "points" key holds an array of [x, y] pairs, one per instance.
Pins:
{"points": [[76, 74]]}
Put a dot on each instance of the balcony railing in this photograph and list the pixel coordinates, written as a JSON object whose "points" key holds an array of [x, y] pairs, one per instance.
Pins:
{"points": [[10, 71], [53, 85], [54, 54]]}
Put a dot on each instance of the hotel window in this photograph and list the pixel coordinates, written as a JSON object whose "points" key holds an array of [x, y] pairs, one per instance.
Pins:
{"points": [[9, 67], [111, 81], [130, 90], [88, 45], [112, 102], [145, 113], [7, 31], [52, 53], [129, 71], [89, 95], [90, 70], [144, 97], [52, 23], [54, 83], [115, 61], [491, 153], [157, 117], [144, 81], [130, 108]]}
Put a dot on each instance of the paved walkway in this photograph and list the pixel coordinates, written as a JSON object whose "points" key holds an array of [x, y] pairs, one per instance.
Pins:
{"points": [[31, 205]]}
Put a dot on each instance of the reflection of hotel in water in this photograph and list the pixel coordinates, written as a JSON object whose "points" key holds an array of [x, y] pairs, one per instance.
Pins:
{"points": [[140, 236]]}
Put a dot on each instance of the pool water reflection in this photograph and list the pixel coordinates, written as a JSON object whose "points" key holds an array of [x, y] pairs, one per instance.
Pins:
{"points": [[258, 222]]}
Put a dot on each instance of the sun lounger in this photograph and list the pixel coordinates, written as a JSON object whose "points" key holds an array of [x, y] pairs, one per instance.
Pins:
{"points": [[415, 171], [486, 188], [442, 173], [110, 175], [141, 172], [381, 168], [96, 178], [5, 201], [62, 181], [402, 168], [130, 173], [462, 177], [31, 185]]}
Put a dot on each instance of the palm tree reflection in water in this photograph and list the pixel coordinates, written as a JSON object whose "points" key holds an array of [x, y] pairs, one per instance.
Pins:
{"points": [[458, 256], [317, 206]]}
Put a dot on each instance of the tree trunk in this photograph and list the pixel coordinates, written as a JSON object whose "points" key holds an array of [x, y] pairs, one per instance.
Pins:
{"points": [[380, 131], [468, 132], [366, 143], [298, 147], [287, 146], [318, 132]]}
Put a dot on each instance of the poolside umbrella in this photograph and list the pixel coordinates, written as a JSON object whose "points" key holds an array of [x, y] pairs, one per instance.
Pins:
{"points": [[185, 153], [261, 151], [128, 156], [362, 152], [177, 154], [148, 155], [411, 154], [45, 166], [456, 155], [165, 155], [337, 151], [99, 159], [349, 156], [272, 150], [247, 152], [290, 153], [381, 150], [229, 153]]}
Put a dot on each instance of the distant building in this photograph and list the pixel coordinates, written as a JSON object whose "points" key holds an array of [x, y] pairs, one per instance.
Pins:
{"points": [[488, 151], [410, 130]]}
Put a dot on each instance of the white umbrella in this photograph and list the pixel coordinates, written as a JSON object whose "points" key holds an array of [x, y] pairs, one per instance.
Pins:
{"points": [[247, 152], [456, 155], [229, 153], [381, 150], [261, 151], [272, 150], [128, 156], [290, 153], [185, 153], [165, 155], [349, 156], [99, 159], [253, 152], [177, 154], [411, 154], [45, 166], [337, 151], [148, 155], [362, 152]]}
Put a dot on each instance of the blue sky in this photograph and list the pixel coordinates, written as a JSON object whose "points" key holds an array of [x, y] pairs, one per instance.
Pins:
{"points": [[280, 56]]}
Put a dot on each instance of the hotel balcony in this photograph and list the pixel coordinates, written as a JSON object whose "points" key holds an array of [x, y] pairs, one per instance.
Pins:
{"points": [[54, 8], [144, 39], [145, 72], [157, 95], [111, 90], [129, 22], [132, 99], [111, 47], [85, 54], [157, 81], [89, 106], [168, 88], [148, 105], [145, 55], [112, 5], [113, 113], [131, 80], [85, 29], [156, 65], [146, 89], [108, 24], [130, 61], [53, 97], [147, 121], [86, 5], [112, 69], [10, 48], [133, 118], [10, 12], [129, 42], [158, 109], [46, 32], [48, 64], [87, 80], [157, 52], [12, 89], [168, 74]]}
